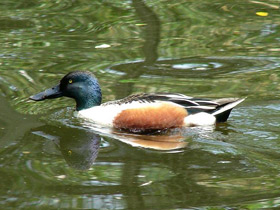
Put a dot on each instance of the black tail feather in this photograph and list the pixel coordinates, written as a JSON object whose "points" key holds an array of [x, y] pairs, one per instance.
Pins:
{"points": [[222, 111], [222, 117]]}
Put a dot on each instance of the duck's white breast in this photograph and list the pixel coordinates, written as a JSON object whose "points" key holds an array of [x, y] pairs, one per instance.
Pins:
{"points": [[100, 114]]}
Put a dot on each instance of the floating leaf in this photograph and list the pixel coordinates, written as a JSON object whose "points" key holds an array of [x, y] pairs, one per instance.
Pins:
{"points": [[225, 8], [262, 14], [140, 24], [60, 176], [102, 46]]}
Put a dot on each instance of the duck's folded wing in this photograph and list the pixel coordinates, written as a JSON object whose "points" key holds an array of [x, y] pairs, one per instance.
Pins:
{"points": [[193, 105], [220, 108]]}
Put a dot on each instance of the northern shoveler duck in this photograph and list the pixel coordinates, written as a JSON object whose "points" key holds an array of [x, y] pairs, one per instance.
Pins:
{"points": [[140, 112]]}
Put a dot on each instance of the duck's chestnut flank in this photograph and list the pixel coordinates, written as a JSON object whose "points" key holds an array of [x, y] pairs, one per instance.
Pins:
{"points": [[148, 111], [151, 117]]}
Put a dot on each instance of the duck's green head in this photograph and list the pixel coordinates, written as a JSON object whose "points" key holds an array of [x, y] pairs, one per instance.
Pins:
{"points": [[80, 85]]}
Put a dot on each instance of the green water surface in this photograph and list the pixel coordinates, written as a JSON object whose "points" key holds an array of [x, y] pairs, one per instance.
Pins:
{"points": [[209, 49]]}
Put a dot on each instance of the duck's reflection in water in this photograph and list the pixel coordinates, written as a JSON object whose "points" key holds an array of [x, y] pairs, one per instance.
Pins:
{"points": [[168, 140], [80, 146], [81, 150]]}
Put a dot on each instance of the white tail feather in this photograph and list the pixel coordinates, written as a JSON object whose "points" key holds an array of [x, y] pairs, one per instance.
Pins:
{"points": [[228, 107]]}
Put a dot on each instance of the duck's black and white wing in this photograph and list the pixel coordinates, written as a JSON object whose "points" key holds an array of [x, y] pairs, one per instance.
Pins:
{"points": [[220, 108]]}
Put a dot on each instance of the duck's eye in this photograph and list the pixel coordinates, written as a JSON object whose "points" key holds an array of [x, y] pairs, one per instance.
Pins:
{"points": [[70, 81]]}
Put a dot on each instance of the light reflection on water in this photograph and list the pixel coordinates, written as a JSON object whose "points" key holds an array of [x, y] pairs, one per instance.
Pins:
{"points": [[49, 159]]}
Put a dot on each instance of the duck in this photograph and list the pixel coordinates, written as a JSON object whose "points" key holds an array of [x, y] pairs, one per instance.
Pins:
{"points": [[138, 113]]}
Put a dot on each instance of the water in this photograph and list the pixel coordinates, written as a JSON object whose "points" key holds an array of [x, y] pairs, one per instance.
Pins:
{"points": [[51, 160]]}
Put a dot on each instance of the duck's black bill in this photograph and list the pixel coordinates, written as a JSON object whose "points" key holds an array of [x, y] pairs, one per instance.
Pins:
{"points": [[47, 94]]}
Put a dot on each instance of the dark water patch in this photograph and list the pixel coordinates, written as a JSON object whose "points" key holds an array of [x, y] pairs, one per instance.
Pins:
{"points": [[14, 24]]}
